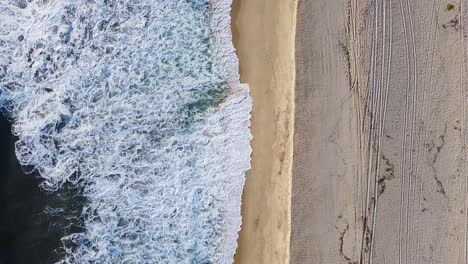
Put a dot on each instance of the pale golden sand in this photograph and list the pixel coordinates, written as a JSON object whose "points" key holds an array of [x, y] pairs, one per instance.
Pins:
{"points": [[264, 32]]}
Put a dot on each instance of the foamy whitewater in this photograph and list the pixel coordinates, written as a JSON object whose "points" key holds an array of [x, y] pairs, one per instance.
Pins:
{"points": [[137, 102]]}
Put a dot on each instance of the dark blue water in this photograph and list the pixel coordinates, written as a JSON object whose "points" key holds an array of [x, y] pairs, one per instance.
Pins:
{"points": [[28, 234]]}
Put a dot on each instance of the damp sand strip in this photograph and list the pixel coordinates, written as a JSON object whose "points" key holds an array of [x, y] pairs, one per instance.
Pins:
{"points": [[264, 37]]}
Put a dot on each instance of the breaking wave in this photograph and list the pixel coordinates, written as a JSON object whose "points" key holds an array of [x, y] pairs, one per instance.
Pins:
{"points": [[137, 103]]}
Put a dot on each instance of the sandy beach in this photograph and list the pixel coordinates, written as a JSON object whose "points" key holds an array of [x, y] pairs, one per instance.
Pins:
{"points": [[379, 173], [263, 32]]}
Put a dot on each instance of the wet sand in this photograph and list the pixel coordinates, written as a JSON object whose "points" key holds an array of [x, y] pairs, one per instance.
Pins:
{"points": [[263, 32], [379, 173]]}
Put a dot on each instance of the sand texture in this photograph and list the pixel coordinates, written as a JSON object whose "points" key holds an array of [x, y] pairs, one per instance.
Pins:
{"points": [[263, 34], [379, 173]]}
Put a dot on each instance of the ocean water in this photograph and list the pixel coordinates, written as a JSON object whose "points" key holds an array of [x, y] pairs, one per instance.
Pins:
{"points": [[137, 104]]}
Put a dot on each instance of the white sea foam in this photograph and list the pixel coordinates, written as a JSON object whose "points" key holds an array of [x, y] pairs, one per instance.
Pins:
{"points": [[139, 103]]}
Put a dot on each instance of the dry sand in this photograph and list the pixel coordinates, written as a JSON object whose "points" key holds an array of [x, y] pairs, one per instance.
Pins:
{"points": [[379, 173], [264, 38]]}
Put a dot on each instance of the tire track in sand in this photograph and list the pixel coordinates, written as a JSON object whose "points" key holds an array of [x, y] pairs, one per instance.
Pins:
{"points": [[403, 146], [365, 239], [411, 173], [382, 110]]}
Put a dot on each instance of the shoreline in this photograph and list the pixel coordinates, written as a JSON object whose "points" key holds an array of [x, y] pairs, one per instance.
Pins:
{"points": [[264, 38]]}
